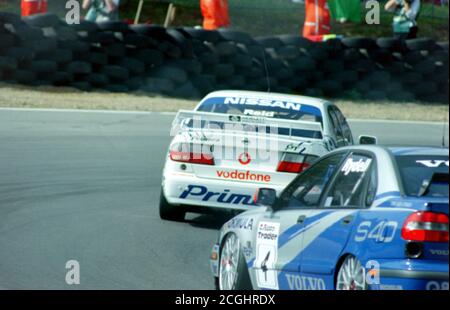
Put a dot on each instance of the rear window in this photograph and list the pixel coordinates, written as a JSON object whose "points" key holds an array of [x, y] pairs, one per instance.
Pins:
{"points": [[268, 109], [263, 108], [417, 173]]}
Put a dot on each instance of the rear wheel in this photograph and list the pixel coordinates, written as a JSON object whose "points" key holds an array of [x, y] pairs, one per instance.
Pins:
{"points": [[169, 212], [233, 272], [351, 275]]}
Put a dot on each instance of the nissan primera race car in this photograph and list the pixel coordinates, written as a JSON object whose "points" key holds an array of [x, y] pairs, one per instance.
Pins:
{"points": [[360, 218], [234, 142]]}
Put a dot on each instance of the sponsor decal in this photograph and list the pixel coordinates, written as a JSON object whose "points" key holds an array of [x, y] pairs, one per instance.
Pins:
{"points": [[259, 113], [246, 119], [433, 163], [263, 103], [391, 287], [241, 223], [296, 282], [266, 255], [202, 193], [436, 286], [243, 176], [359, 166], [244, 158], [297, 148], [439, 252]]}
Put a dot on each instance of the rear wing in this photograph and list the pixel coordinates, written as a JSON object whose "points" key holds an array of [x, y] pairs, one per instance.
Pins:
{"points": [[183, 117]]}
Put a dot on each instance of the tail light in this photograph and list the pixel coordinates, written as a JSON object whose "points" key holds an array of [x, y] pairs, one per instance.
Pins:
{"points": [[295, 163], [192, 154], [426, 226]]}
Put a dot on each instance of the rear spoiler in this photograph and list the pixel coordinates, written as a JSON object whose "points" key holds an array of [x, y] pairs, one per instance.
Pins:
{"points": [[435, 178], [243, 119]]}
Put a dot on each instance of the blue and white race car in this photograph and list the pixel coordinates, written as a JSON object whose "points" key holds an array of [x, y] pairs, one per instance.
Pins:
{"points": [[362, 217], [234, 142]]}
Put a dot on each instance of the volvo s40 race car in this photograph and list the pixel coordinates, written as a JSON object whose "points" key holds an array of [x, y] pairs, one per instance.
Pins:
{"points": [[363, 217], [234, 142]]}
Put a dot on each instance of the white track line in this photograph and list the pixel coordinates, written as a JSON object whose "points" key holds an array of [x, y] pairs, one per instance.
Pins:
{"points": [[174, 113]]}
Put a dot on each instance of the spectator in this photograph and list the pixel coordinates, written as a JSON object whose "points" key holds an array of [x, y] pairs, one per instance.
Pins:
{"points": [[101, 10], [31, 7], [405, 19], [215, 14], [317, 20]]}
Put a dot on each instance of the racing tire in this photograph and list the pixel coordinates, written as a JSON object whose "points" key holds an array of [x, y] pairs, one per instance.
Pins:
{"points": [[10, 18], [6, 40], [115, 72], [270, 42], [295, 40], [85, 26], [79, 67], [21, 54], [288, 52], [421, 44], [66, 34], [360, 43], [351, 266], [211, 36], [233, 257], [169, 212], [44, 20], [114, 26], [225, 49], [149, 57], [390, 43], [172, 73], [236, 36]]}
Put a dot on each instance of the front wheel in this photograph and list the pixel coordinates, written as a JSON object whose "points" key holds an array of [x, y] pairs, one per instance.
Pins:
{"points": [[233, 272], [351, 275], [169, 212]]}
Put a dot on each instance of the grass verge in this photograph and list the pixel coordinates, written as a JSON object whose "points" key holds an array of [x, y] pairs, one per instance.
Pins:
{"points": [[68, 98]]}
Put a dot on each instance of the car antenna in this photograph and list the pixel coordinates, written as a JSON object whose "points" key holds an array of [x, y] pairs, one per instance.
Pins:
{"points": [[266, 68]]}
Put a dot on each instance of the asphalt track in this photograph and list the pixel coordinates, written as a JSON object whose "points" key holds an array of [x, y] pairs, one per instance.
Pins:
{"points": [[85, 186]]}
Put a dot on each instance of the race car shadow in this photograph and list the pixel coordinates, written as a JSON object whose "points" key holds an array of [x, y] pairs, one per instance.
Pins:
{"points": [[213, 221]]}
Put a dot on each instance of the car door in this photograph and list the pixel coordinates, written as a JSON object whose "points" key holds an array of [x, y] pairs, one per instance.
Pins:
{"points": [[351, 190], [279, 236]]}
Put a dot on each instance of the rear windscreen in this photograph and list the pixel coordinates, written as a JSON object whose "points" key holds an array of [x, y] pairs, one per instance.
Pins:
{"points": [[268, 109], [262, 107], [417, 174]]}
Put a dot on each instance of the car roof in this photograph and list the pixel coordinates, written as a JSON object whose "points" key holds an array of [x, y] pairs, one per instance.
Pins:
{"points": [[315, 102], [397, 151], [439, 151]]}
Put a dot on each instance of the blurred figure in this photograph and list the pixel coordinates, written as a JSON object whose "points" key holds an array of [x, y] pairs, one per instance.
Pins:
{"points": [[101, 10], [215, 14], [317, 20], [405, 17], [31, 7]]}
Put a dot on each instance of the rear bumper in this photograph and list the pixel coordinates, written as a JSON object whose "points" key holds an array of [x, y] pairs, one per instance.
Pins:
{"points": [[189, 190], [413, 275]]}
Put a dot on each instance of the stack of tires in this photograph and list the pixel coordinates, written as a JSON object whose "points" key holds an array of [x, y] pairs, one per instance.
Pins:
{"points": [[190, 62]]}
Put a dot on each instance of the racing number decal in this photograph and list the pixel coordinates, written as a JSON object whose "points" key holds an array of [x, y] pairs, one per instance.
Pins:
{"points": [[266, 255], [382, 232]]}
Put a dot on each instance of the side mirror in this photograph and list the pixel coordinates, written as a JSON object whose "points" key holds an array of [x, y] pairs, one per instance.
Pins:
{"points": [[265, 197], [368, 140]]}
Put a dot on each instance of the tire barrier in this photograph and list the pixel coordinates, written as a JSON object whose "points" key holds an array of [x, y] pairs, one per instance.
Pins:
{"points": [[189, 62]]}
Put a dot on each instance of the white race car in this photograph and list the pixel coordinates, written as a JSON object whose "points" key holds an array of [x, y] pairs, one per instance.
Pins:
{"points": [[234, 142]]}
